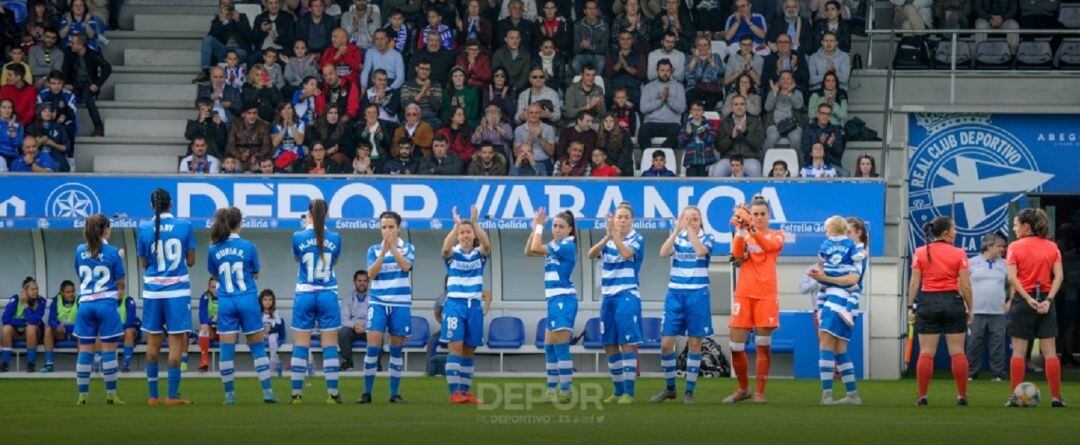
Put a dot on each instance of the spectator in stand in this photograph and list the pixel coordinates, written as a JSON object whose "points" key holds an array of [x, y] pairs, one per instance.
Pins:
{"points": [[625, 67], [45, 57], [343, 56], [287, 136], [476, 63], [474, 26], [623, 110], [525, 163], [51, 136], [744, 62], [199, 161], [667, 51], [264, 166], [404, 161], [818, 7], [494, 129], [952, 14], [318, 162], [816, 166], [23, 319], [537, 135], [674, 19], [374, 133], [442, 161], [308, 102], [516, 21], [424, 92], [573, 163], [663, 102], [63, 100], [633, 21], [997, 14], [500, 93], [298, 67], [419, 133], [529, 9], [386, 100], [436, 27], [487, 162], [585, 95], [440, 59], [581, 131], [457, 135], [383, 57], [273, 28], [12, 132], [989, 279], [81, 21], [362, 164], [541, 94], [616, 143], [227, 99], [835, 23], [792, 24], [704, 78], [354, 315], [600, 165], [779, 170], [235, 70], [399, 33], [912, 14], [737, 168], [555, 27], [16, 56], [33, 28], [830, 136], [316, 27], [515, 59], [260, 91], [555, 66], [698, 141], [361, 22], [340, 91], [229, 31], [784, 59], [273, 68], [21, 94], [865, 167], [34, 158], [784, 112], [335, 134], [829, 59], [458, 94], [249, 139], [831, 95], [231, 166], [658, 168], [740, 134], [591, 39], [1040, 14], [742, 23]]}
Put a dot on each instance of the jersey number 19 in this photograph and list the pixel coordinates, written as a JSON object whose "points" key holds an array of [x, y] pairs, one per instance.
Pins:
{"points": [[169, 252]]}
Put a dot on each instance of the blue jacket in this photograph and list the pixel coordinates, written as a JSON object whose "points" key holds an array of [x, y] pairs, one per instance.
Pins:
{"points": [[64, 102], [206, 315], [29, 316], [10, 145], [834, 154]]}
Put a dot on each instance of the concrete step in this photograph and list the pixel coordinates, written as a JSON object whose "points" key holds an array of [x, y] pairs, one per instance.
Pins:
{"points": [[161, 57], [126, 163], [120, 40], [122, 110], [183, 21], [150, 92], [91, 149], [147, 127], [130, 9], [148, 75]]}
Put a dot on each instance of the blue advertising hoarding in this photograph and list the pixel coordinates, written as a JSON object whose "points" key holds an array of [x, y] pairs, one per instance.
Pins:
{"points": [[799, 207], [971, 166]]}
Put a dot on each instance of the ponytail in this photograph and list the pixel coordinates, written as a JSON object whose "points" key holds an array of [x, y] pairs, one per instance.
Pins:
{"points": [[317, 209], [934, 230], [568, 217], [226, 220], [1037, 220], [160, 201], [27, 281], [93, 232]]}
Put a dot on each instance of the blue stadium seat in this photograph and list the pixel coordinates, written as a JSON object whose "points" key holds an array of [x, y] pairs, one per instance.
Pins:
{"points": [[650, 330], [66, 344], [506, 333], [359, 344], [420, 333], [592, 338], [541, 329], [18, 344]]}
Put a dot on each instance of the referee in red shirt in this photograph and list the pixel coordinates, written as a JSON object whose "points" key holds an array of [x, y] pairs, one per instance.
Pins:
{"points": [[943, 305], [1034, 261]]}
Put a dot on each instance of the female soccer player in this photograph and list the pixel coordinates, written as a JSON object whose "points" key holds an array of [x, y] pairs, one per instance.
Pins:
{"points": [[686, 306], [100, 268], [317, 306], [388, 265], [234, 261], [944, 304], [23, 320], [1034, 261], [208, 318], [466, 250], [560, 256], [840, 269], [61, 321], [756, 303], [166, 248], [620, 313]]}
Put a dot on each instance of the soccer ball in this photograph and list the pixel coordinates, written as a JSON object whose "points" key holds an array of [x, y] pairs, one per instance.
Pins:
{"points": [[1027, 394]]}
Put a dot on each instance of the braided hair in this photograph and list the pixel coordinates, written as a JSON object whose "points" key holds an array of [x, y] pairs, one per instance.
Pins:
{"points": [[160, 201]]}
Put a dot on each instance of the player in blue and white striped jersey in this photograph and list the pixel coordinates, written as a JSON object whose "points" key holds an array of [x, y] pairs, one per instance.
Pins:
{"points": [[560, 257], [234, 263], [465, 250], [100, 268], [621, 252], [686, 307], [317, 305], [856, 230], [840, 268], [166, 250], [388, 265]]}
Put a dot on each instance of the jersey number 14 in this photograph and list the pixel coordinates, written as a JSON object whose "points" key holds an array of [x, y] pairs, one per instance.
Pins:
{"points": [[317, 270]]}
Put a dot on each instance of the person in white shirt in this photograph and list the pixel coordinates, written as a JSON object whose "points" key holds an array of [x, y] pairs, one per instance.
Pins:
{"points": [[198, 161], [817, 167], [989, 274]]}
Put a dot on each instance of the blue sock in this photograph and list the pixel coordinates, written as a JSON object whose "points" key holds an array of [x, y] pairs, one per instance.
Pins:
{"points": [[397, 364], [371, 364], [693, 368], [629, 372], [31, 355], [299, 368], [552, 363], [667, 364], [5, 355], [48, 357], [826, 367], [262, 364], [453, 372], [615, 365], [331, 368], [467, 369], [152, 380], [847, 372], [109, 368], [83, 365], [226, 365], [129, 350], [173, 376], [566, 366]]}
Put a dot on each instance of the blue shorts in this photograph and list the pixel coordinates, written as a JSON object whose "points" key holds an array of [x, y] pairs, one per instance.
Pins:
{"points": [[561, 312], [688, 313], [395, 319], [620, 319], [239, 314], [98, 319], [159, 313], [833, 324], [463, 320], [314, 308]]}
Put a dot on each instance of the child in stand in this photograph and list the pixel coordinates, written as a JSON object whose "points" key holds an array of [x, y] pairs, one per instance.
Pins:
{"points": [[600, 164], [235, 71]]}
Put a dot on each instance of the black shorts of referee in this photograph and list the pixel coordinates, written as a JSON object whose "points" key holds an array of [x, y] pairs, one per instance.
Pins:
{"points": [[1027, 323], [941, 312]]}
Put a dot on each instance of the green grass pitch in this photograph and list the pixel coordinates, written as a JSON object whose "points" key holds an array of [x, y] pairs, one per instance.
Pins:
{"points": [[43, 411]]}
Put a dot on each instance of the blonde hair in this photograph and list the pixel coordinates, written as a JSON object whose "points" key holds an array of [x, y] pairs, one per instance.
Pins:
{"points": [[836, 226], [254, 73]]}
